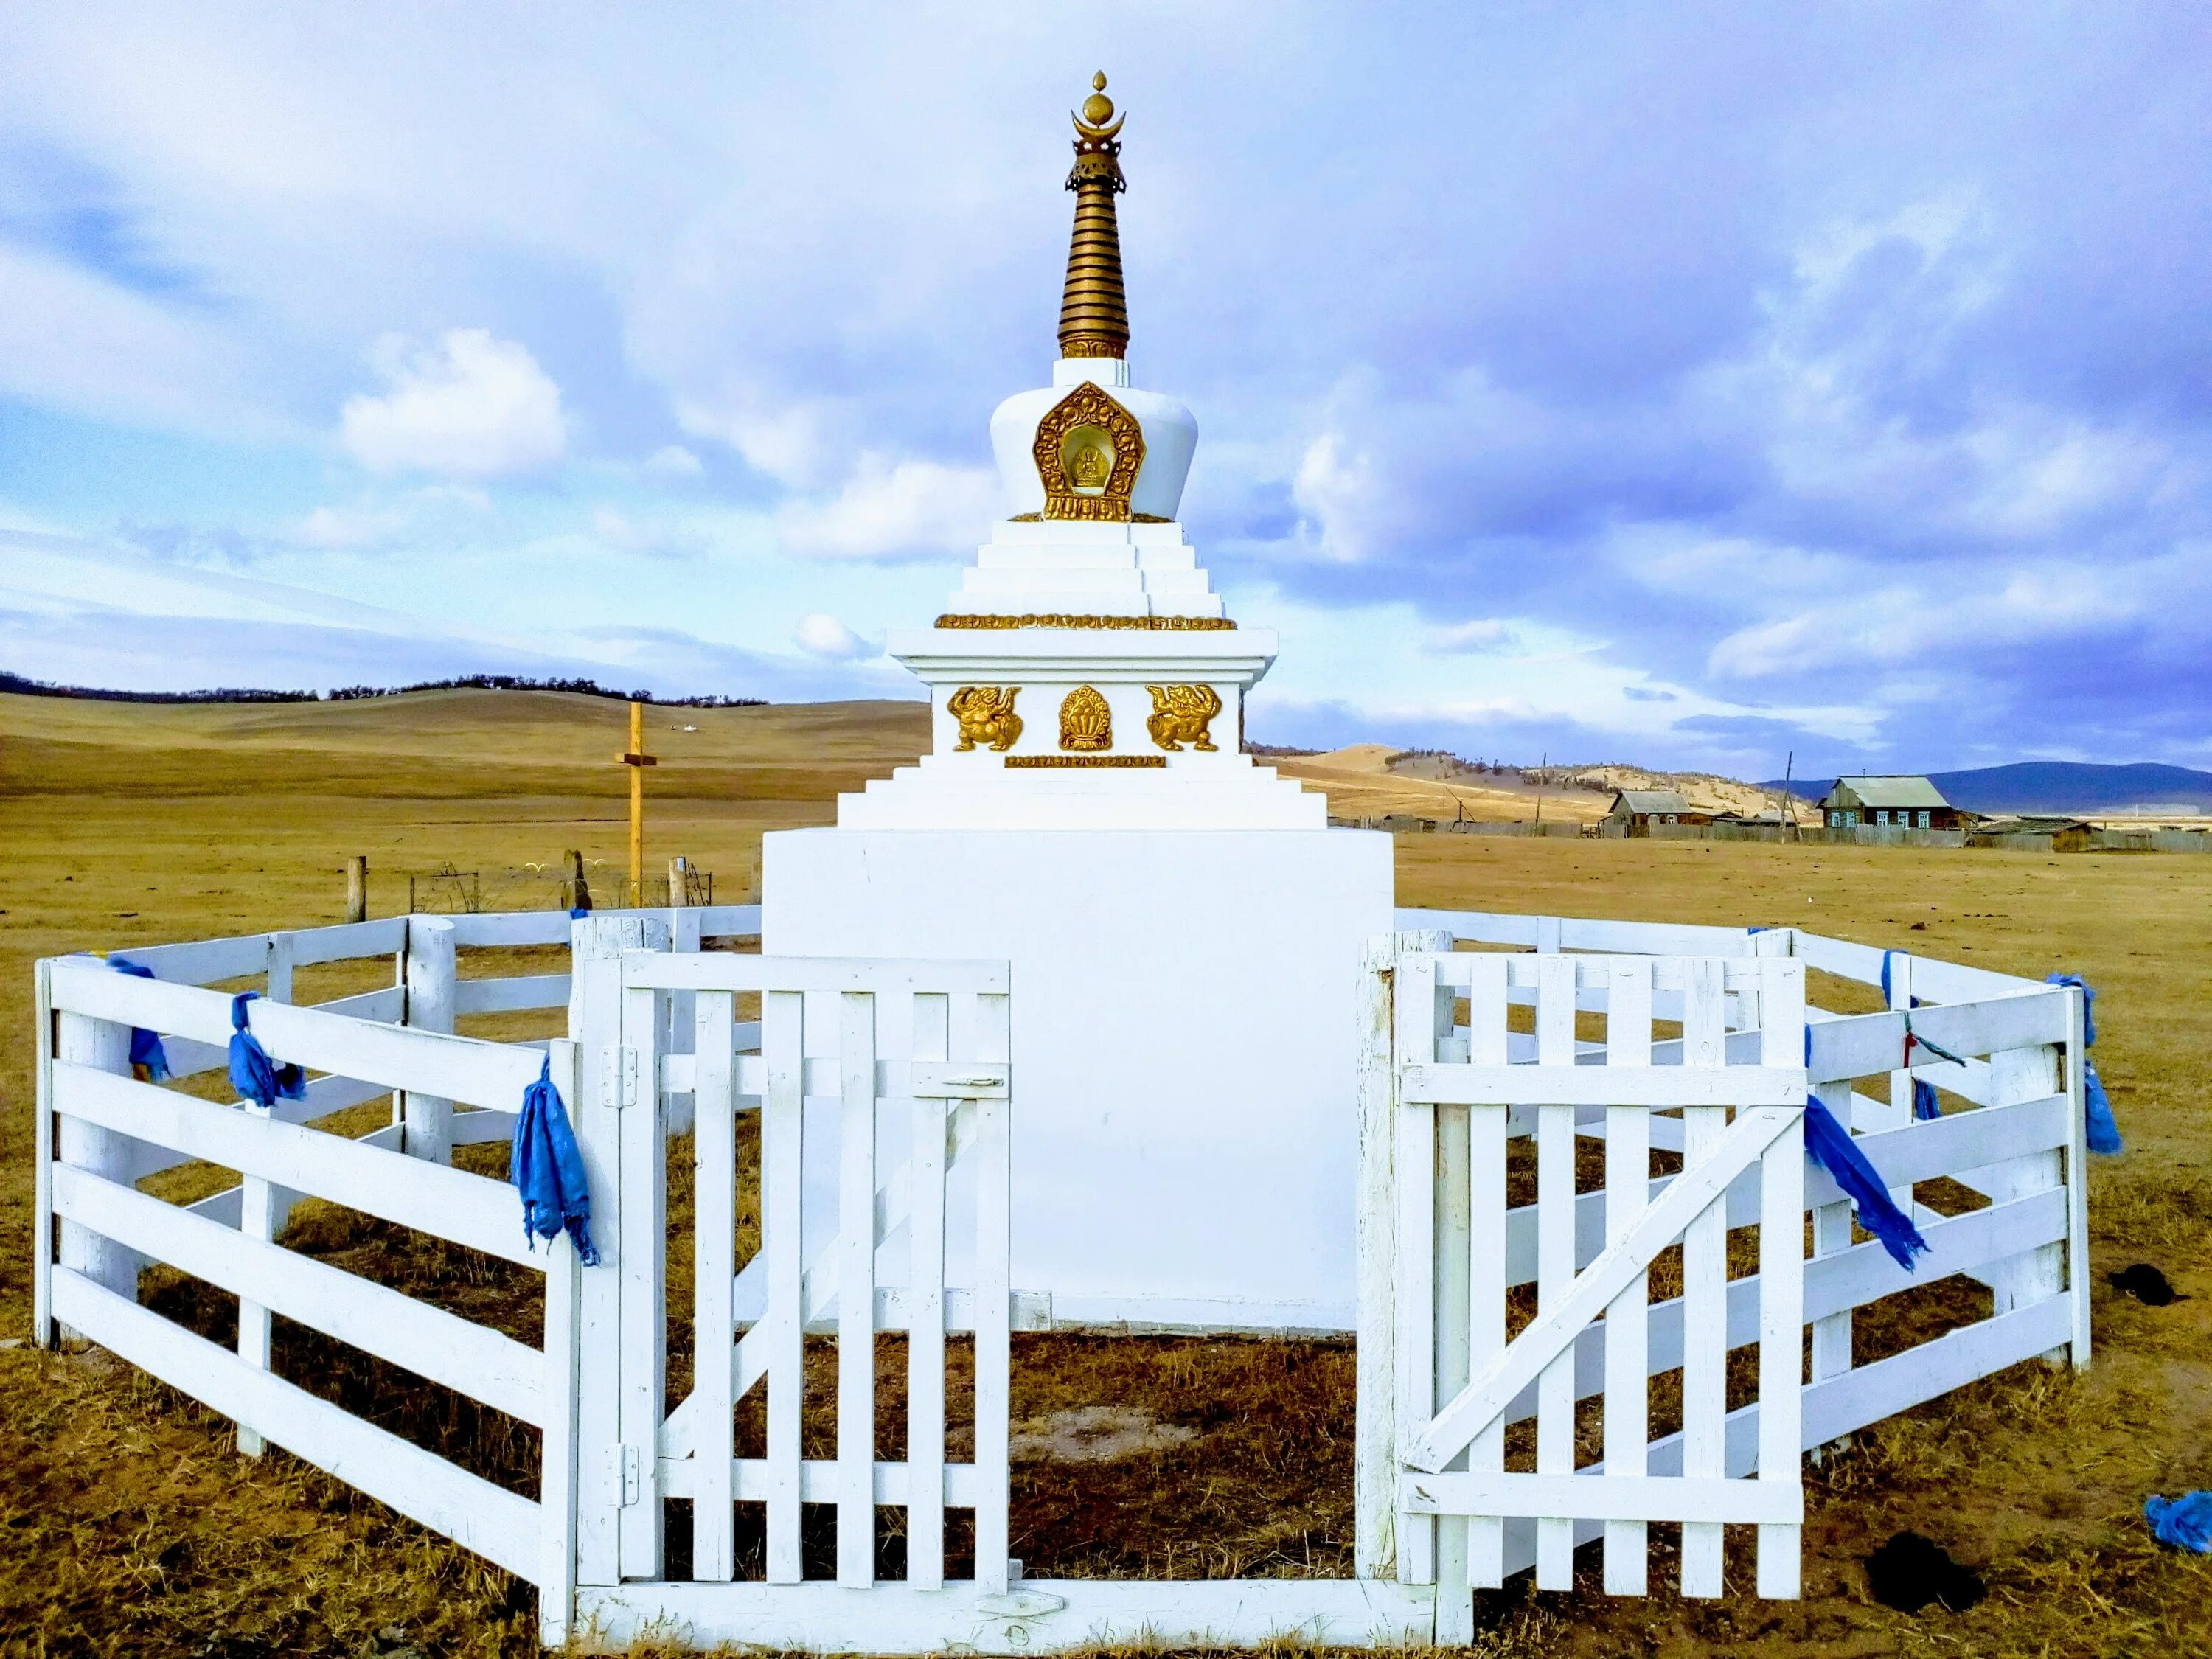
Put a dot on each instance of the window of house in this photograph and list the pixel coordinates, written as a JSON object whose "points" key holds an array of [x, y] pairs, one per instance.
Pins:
{"points": [[1924, 820], [1881, 818]]}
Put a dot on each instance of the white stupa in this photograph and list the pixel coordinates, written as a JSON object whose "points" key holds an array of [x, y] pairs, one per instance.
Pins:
{"points": [[1184, 928]]}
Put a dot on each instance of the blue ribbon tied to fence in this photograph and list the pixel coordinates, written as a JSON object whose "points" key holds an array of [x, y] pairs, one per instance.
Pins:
{"points": [[1829, 1144], [149, 1061], [255, 1076], [2185, 1521], [547, 1168], [2104, 1129]]}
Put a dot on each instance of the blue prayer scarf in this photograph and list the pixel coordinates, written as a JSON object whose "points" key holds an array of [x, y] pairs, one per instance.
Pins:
{"points": [[547, 1168], [2185, 1521], [2104, 1129], [1829, 1144], [149, 1061], [255, 1076]]}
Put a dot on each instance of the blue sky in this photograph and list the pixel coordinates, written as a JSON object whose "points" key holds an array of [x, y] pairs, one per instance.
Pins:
{"points": [[1678, 384]]}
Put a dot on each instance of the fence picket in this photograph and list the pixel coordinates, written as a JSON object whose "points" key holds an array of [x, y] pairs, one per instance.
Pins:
{"points": [[1555, 1259], [1627, 1317], [714, 1151], [1781, 1290], [1486, 1135], [856, 1293], [1414, 994], [783, 1033], [924, 1387], [1704, 1284], [994, 1302]]}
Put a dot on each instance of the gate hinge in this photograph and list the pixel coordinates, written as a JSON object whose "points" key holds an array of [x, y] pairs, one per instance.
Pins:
{"points": [[626, 1475], [618, 1082]]}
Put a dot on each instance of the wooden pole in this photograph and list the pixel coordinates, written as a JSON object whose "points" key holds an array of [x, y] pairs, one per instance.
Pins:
{"points": [[637, 759], [357, 888]]}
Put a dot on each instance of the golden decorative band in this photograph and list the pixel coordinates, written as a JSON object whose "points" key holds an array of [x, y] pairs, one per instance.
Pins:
{"points": [[1086, 760], [1152, 624]]}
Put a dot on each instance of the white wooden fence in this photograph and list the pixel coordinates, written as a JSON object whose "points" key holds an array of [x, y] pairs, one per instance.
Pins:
{"points": [[897, 1073]]}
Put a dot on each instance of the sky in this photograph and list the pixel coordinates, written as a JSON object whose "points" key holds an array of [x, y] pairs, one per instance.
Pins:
{"points": [[1692, 386]]}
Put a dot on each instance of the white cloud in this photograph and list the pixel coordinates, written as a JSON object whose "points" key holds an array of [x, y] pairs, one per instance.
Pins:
{"points": [[821, 634], [893, 509], [472, 407], [1483, 634], [673, 461]]}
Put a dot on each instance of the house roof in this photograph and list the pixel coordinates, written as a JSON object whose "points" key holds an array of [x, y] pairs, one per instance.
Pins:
{"points": [[1892, 792], [1651, 800]]}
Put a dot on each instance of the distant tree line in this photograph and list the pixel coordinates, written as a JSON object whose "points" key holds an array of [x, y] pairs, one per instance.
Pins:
{"points": [[31, 688]]}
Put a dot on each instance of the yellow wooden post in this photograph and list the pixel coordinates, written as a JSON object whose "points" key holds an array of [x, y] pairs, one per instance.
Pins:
{"points": [[637, 759]]}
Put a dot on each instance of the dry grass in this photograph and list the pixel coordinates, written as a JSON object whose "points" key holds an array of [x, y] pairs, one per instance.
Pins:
{"points": [[134, 1529]]}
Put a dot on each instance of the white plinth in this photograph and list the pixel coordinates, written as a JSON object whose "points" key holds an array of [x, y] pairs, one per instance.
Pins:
{"points": [[1184, 1043]]}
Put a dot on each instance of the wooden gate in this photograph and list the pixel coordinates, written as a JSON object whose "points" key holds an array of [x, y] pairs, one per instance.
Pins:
{"points": [[1700, 1057]]}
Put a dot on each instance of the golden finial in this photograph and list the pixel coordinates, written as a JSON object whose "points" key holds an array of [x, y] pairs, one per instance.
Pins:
{"points": [[1094, 319]]}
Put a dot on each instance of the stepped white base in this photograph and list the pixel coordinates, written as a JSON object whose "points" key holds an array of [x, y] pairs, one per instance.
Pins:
{"points": [[1185, 1135], [977, 791]]}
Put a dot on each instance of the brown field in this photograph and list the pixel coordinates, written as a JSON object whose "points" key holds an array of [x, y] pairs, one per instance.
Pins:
{"points": [[133, 1527]]}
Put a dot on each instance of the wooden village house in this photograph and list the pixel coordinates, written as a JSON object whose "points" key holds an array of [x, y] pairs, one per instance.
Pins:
{"points": [[1634, 811], [1890, 803]]}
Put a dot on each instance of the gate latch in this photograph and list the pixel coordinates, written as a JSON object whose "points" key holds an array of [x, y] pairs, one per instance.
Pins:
{"points": [[618, 1082]]}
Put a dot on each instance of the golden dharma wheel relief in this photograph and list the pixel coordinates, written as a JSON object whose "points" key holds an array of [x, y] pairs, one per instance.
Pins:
{"points": [[986, 714], [1152, 624], [1181, 714], [1088, 451], [1086, 724]]}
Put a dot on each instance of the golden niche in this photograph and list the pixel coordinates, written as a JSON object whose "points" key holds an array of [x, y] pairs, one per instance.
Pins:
{"points": [[1181, 714], [1088, 451], [1086, 724], [986, 714]]}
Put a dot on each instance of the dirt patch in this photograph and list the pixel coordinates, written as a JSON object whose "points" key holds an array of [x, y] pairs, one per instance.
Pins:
{"points": [[1096, 1434]]}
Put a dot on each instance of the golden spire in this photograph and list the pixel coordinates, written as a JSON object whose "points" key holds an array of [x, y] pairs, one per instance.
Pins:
{"points": [[1094, 316]]}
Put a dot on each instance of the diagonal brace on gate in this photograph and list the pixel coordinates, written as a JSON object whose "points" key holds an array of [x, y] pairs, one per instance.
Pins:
{"points": [[1486, 1397]]}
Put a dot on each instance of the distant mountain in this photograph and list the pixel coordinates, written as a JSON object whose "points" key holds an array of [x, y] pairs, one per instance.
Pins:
{"points": [[2057, 786]]}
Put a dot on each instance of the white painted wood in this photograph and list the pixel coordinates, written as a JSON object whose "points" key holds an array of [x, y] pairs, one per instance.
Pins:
{"points": [[202, 961], [1038, 1616], [1863, 1045], [1555, 1258], [1452, 1278], [346, 941], [490, 1520], [452, 1204], [783, 1045], [1413, 1022], [487, 1074], [642, 1273], [42, 1160], [1957, 1144], [517, 993], [1704, 1284], [819, 1479], [1626, 1333], [2077, 1180], [856, 1333], [432, 1343], [431, 981], [558, 1465], [258, 1205], [1487, 1131], [994, 1298], [1831, 1233], [1622, 1499], [1566, 1082], [714, 1517], [924, 1388], [1781, 1292], [384, 1006], [2024, 1073], [95, 1048]]}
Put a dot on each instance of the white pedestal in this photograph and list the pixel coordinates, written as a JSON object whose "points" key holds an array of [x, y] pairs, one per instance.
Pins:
{"points": [[1184, 1043]]}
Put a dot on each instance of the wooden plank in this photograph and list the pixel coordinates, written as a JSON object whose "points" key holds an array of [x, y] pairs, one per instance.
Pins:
{"points": [[202, 961], [1862, 1045], [1840, 1405], [383, 1006], [558, 1463], [640, 1271], [426, 1114], [819, 1479], [1555, 1260], [1781, 1292], [924, 1388], [447, 1350], [1430, 1445], [488, 1520], [1954, 1144], [1627, 1331], [994, 1299], [462, 1068], [1413, 1027], [1704, 1282], [1044, 1616], [1487, 1304], [1563, 1082], [1831, 1236], [258, 1206], [783, 1045], [42, 1159], [714, 1151], [516, 994], [346, 941], [449, 1204], [1624, 1499], [722, 970], [2077, 1178], [856, 1275], [1481, 926]]}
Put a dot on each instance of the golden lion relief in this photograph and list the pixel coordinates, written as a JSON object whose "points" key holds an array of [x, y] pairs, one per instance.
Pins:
{"points": [[986, 714], [1181, 714]]}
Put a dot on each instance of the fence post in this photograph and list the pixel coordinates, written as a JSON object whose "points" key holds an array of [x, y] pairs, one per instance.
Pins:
{"points": [[357, 888], [680, 1033], [557, 1467], [2077, 1177], [2033, 1276], [427, 1121], [596, 1111], [262, 1206], [104, 1046], [42, 1221]]}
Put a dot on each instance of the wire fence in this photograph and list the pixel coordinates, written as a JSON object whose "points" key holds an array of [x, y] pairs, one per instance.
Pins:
{"points": [[594, 885]]}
